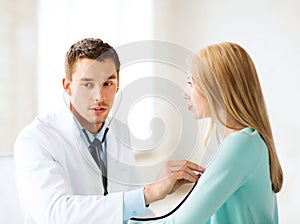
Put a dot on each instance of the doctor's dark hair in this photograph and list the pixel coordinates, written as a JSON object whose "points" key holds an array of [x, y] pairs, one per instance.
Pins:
{"points": [[90, 48]]}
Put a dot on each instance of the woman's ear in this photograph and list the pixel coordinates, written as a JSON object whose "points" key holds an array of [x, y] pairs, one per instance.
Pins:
{"points": [[66, 85]]}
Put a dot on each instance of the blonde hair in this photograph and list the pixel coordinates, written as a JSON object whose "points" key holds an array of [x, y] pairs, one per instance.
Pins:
{"points": [[228, 78]]}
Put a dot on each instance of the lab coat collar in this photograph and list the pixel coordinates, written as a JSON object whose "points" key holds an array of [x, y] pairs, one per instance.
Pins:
{"points": [[62, 120]]}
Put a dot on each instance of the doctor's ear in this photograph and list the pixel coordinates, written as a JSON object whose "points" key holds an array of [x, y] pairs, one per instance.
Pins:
{"points": [[66, 84]]}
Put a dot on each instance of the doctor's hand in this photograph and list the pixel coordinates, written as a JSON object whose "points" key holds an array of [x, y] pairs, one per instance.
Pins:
{"points": [[174, 174]]}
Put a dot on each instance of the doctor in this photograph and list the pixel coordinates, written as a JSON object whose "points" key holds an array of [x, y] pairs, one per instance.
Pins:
{"points": [[63, 174]]}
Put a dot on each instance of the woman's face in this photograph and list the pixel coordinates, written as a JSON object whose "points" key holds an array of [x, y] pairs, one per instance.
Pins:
{"points": [[197, 102]]}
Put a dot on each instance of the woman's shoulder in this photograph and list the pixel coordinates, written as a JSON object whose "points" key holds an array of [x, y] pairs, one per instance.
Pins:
{"points": [[245, 143]]}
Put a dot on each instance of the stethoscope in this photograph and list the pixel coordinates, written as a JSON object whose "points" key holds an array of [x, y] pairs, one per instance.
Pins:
{"points": [[176, 208], [104, 179], [169, 213]]}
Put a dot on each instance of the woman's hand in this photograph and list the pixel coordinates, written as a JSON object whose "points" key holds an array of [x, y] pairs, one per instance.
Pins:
{"points": [[174, 174]]}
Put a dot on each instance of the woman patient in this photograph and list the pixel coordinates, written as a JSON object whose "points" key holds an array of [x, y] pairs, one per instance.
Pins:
{"points": [[240, 183]]}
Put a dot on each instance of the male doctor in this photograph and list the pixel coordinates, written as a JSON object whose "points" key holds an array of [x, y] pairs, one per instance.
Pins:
{"points": [[67, 169]]}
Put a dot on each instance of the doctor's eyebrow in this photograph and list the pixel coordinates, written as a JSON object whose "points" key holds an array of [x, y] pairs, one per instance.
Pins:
{"points": [[86, 79], [113, 76]]}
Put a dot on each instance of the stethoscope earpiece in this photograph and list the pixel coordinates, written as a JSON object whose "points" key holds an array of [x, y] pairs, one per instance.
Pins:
{"points": [[68, 91]]}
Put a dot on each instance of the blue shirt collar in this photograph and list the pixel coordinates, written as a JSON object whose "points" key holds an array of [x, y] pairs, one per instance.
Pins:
{"points": [[99, 135]]}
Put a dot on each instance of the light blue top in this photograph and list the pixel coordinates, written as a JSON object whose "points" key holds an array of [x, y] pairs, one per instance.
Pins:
{"points": [[235, 188]]}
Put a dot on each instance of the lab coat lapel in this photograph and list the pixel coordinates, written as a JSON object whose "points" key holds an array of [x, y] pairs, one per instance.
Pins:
{"points": [[119, 157], [119, 161], [65, 124]]}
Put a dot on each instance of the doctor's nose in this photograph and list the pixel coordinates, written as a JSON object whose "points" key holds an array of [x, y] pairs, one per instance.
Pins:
{"points": [[99, 95]]}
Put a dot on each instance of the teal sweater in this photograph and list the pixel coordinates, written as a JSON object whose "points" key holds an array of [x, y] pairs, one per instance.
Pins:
{"points": [[235, 188]]}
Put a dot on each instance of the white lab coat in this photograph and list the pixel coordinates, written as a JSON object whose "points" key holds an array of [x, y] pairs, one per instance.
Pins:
{"points": [[57, 179]]}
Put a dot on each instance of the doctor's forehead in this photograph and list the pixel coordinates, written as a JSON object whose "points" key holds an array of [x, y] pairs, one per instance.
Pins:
{"points": [[95, 70]]}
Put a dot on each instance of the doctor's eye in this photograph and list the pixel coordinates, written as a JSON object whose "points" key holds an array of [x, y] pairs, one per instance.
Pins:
{"points": [[88, 84], [109, 83]]}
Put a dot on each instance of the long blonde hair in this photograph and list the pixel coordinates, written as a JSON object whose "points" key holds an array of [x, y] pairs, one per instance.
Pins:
{"points": [[228, 78]]}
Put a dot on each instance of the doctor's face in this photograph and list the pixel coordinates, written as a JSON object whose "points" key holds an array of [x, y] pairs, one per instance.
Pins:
{"points": [[92, 91]]}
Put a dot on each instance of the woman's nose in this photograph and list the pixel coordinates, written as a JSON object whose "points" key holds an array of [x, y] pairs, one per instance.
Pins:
{"points": [[186, 94]]}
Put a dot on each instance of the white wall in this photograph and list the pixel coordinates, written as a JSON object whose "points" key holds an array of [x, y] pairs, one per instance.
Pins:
{"points": [[62, 23], [18, 47]]}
